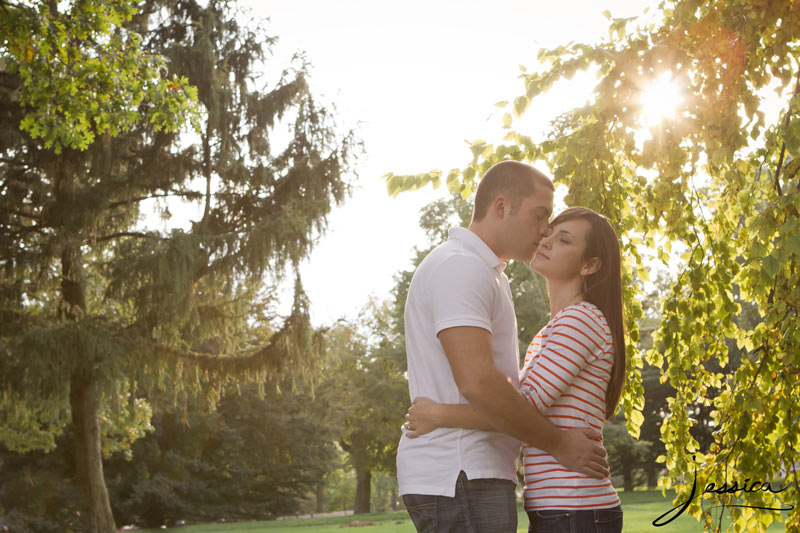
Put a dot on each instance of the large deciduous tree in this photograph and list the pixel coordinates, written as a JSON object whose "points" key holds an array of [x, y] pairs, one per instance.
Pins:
{"points": [[714, 185], [251, 458], [99, 303], [365, 394]]}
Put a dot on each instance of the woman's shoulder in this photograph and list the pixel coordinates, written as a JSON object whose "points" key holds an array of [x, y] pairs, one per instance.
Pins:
{"points": [[579, 309], [584, 314]]}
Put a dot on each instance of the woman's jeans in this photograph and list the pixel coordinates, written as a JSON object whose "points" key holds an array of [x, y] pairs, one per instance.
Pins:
{"points": [[582, 521], [479, 506]]}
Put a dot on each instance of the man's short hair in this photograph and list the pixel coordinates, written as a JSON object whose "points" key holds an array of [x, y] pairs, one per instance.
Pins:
{"points": [[514, 180]]}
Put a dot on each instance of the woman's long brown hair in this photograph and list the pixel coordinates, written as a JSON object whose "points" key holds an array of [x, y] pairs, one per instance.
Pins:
{"points": [[604, 289]]}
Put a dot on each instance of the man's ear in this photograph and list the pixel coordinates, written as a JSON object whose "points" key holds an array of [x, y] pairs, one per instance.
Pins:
{"points": [[591, 266], [501, 206]]}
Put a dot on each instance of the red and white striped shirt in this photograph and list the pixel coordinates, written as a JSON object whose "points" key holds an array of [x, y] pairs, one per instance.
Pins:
{"points": [[565, 376]]}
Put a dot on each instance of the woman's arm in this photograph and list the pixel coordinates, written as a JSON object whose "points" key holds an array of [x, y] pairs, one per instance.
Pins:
{"points": [[569, 349], [425, 415], [571, 345]]}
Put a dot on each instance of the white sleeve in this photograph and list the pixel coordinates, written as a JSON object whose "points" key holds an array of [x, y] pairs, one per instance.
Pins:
{"points": [[461, 290]]}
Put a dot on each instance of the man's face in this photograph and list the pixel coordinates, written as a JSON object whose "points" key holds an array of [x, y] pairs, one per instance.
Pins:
{"points": [[524, 227]]}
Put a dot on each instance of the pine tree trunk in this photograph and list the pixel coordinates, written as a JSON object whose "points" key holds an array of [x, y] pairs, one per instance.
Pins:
{"points": [[95, 505], [363, 488], [84, 399]]}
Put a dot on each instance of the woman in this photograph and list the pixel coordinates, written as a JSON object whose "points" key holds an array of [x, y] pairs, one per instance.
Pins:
{"points": [[573, 372]]}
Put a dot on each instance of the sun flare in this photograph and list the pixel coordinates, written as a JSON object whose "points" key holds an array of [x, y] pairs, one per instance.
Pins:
{"points": [[660, 99]]}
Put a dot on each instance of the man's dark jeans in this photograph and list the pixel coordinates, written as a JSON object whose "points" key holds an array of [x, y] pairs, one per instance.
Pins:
{"points": [[479, 506]]}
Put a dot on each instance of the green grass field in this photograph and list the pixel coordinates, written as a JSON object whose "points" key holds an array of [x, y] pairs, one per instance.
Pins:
{"points": [[640, 507]]}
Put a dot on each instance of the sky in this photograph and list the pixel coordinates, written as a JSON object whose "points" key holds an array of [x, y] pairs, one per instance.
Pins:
{"points": [[416, 79]]}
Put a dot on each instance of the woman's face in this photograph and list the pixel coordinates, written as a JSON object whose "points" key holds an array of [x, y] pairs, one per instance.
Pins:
{"points": [[560, 252]]}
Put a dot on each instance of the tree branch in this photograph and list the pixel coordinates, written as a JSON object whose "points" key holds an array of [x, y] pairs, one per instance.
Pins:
{"points": [[207, 170], [128, 234], [26, 230], [22, 214], [184, 194], [786, 122]]}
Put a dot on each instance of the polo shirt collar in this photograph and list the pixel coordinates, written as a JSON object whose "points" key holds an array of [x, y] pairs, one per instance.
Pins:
{"points": [[477, 245]]}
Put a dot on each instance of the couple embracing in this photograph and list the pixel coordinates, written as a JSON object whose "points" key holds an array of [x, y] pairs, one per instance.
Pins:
{"points": [[472, 407]]}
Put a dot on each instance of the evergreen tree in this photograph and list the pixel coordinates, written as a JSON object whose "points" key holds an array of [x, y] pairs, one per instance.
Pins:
{"points": [[97, 306]]}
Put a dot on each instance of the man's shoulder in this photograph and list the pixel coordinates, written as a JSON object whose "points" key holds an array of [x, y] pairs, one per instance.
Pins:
{"points": [[454, 262], [452, 252]]}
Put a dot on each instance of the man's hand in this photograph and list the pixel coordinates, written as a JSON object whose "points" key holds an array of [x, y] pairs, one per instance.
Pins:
{"points": [[581, 451]]}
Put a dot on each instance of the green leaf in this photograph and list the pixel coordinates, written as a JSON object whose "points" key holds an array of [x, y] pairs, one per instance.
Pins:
{"points": [[757, 249], [520, 105], [771, 266], [635, 422], [477, 148], [718, 157], [793, 244]]}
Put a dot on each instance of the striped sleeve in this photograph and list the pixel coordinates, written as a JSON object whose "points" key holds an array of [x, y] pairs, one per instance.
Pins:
{"points": [[571, 344]]}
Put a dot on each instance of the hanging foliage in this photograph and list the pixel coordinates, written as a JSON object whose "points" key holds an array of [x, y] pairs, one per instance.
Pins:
{"points": [[712, 190]]}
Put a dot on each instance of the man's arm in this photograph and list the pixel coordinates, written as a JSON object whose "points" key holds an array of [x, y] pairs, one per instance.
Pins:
{"points": [[469, 351]]}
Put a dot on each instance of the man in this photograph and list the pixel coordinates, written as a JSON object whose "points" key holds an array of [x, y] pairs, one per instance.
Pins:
{"points": [[461, 344]]}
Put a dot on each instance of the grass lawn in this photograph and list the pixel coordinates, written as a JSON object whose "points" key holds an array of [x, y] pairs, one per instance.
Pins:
{"points": [[640, 507]]}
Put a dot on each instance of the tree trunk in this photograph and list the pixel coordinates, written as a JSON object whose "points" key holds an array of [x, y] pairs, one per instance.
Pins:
{"points": [[627, 479], [363, 488], [84, 400], [95, 505], [652, 478], [320, 497]]}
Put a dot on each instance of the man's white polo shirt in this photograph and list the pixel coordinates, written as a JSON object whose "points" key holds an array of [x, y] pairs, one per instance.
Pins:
{"points": [[460, 283]]}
